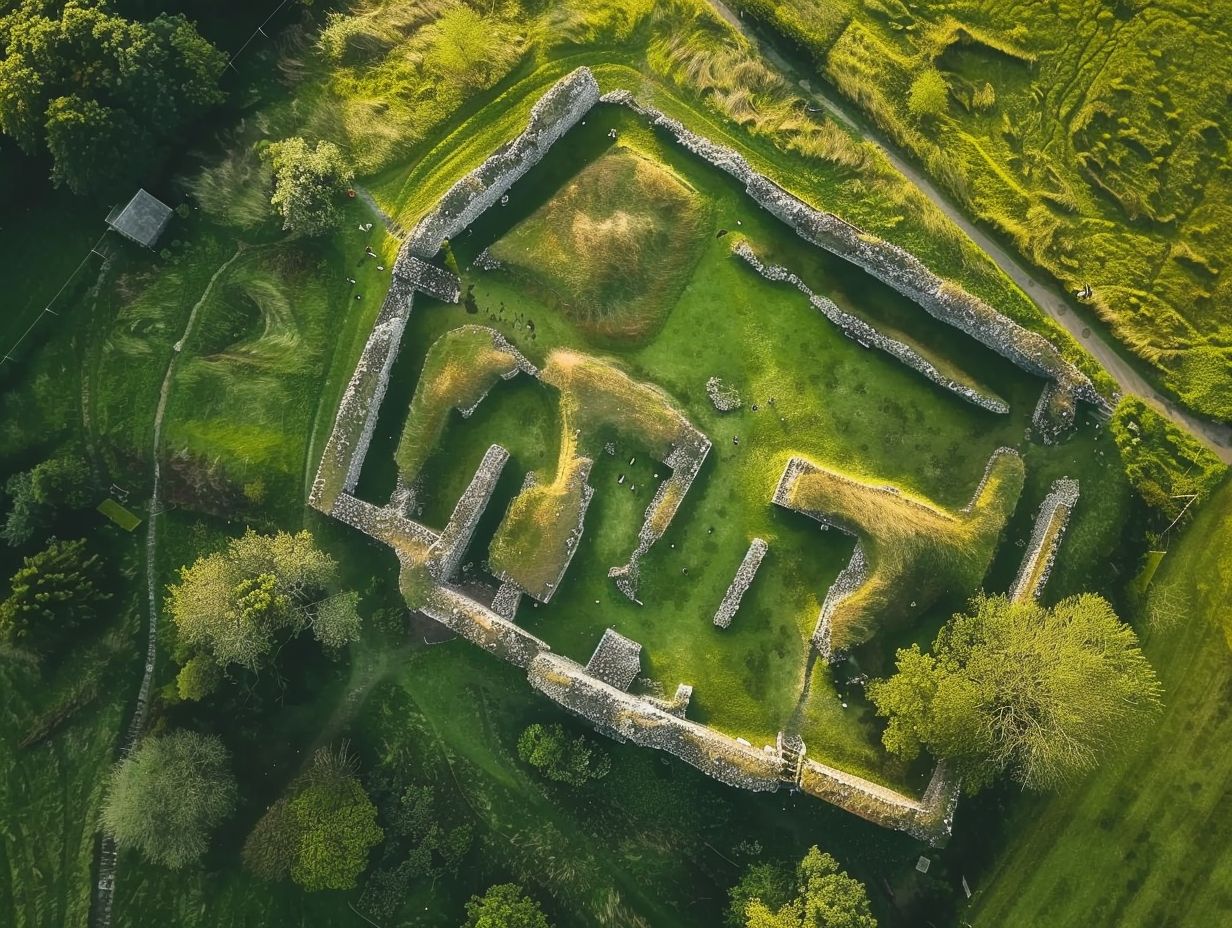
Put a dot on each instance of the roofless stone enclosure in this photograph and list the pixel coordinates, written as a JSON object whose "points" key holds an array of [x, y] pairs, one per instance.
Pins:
{"points": [[598, 692]]}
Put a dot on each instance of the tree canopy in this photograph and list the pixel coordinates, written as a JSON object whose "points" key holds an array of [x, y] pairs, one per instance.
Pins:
{"points": [[1039, 693], [307, 184], [234, 604], [504, 905], [166, 797], [54, 593], [816, 895], [320, 833], [36, 495], [98, 92], [550, 750]]}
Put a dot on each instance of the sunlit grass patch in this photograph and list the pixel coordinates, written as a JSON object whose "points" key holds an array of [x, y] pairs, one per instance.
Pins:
{"points": [[614, 248]]}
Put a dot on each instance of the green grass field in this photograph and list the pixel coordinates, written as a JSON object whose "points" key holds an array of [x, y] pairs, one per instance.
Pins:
{"points": [[1146, 842], [1091, 135]]}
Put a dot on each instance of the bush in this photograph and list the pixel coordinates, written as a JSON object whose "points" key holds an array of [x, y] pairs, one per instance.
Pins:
{"points": [[929, 95], [1171, 470], [53, 594], [307, 184], [553, 753], [505, 905], [165, 798]]}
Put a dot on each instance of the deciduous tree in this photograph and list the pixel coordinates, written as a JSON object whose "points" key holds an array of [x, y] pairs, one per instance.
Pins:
{"points": [[1039, 693], [98, 92], [550, 750], [308, 183], [233, 605], [166, 797], [505, 905]]}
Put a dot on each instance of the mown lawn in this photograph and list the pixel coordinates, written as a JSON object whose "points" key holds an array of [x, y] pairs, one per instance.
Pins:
{"points": [[1146, 842]]}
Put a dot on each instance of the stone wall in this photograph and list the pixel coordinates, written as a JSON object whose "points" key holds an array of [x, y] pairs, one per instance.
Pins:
{"points": [[685, 459], [929, 818], [428, 278], [1050, 525], [849, 579], [863, 333], [889, 263], [343, 457], [382, 523], [483, 627], [740, 583], [556, 112], [445, 556], [632, 718], [616, 660]]}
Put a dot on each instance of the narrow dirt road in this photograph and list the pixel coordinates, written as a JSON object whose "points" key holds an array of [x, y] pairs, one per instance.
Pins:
{"points": [[1045, 294], [108, 861]]}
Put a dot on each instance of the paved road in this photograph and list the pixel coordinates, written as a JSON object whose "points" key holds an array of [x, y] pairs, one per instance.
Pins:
{"points": [[1046, 294]]}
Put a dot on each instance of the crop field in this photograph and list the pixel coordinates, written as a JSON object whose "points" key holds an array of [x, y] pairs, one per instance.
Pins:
{"points": [[803, 385], [1091, 135]]}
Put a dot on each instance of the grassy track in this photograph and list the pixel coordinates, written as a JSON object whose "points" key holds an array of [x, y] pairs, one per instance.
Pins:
{"points": [[1147, 842]]}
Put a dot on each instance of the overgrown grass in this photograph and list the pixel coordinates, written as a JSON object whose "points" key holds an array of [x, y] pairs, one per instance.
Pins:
{"points": [[1092, 135], [915, 551], [613, 249]]}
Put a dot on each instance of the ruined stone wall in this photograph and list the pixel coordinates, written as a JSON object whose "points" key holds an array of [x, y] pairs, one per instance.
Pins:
{"points": [[927, 819], [889, 263], [866, 335], [483, 627], [381, 522], [556, 112], [740, 583], [685, 460], [446, 555], [632, 718], [1046, 537]]}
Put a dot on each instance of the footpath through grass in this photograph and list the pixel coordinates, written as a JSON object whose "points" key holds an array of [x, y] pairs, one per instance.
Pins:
{"points": [[1146, 843]]}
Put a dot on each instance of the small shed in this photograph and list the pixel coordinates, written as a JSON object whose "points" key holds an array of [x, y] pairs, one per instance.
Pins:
{"points": [[142, 220]]}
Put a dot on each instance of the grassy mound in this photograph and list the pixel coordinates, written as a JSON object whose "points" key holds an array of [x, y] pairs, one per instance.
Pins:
{"points": [[461, 366], [531, 546], [914, 550], [613, 249]]}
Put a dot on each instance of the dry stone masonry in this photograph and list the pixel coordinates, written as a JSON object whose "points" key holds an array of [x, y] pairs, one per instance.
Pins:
{"points": [[557, 111], [445, 556], [863, 333], [1050, 525], [685, 460], [598, 692], [616, 661], [740, 583]]}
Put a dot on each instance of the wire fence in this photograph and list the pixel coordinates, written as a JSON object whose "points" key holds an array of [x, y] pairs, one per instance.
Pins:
{"points": [[10, 356]]}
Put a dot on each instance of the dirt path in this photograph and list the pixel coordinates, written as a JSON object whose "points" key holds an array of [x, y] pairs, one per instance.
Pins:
{"points": [[1044, 293], [105, 887]]}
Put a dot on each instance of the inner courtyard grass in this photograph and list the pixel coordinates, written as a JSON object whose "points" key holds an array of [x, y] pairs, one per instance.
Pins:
{"points": [[729, 322], [914, 551], [612, 250], [1144, 842]]}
